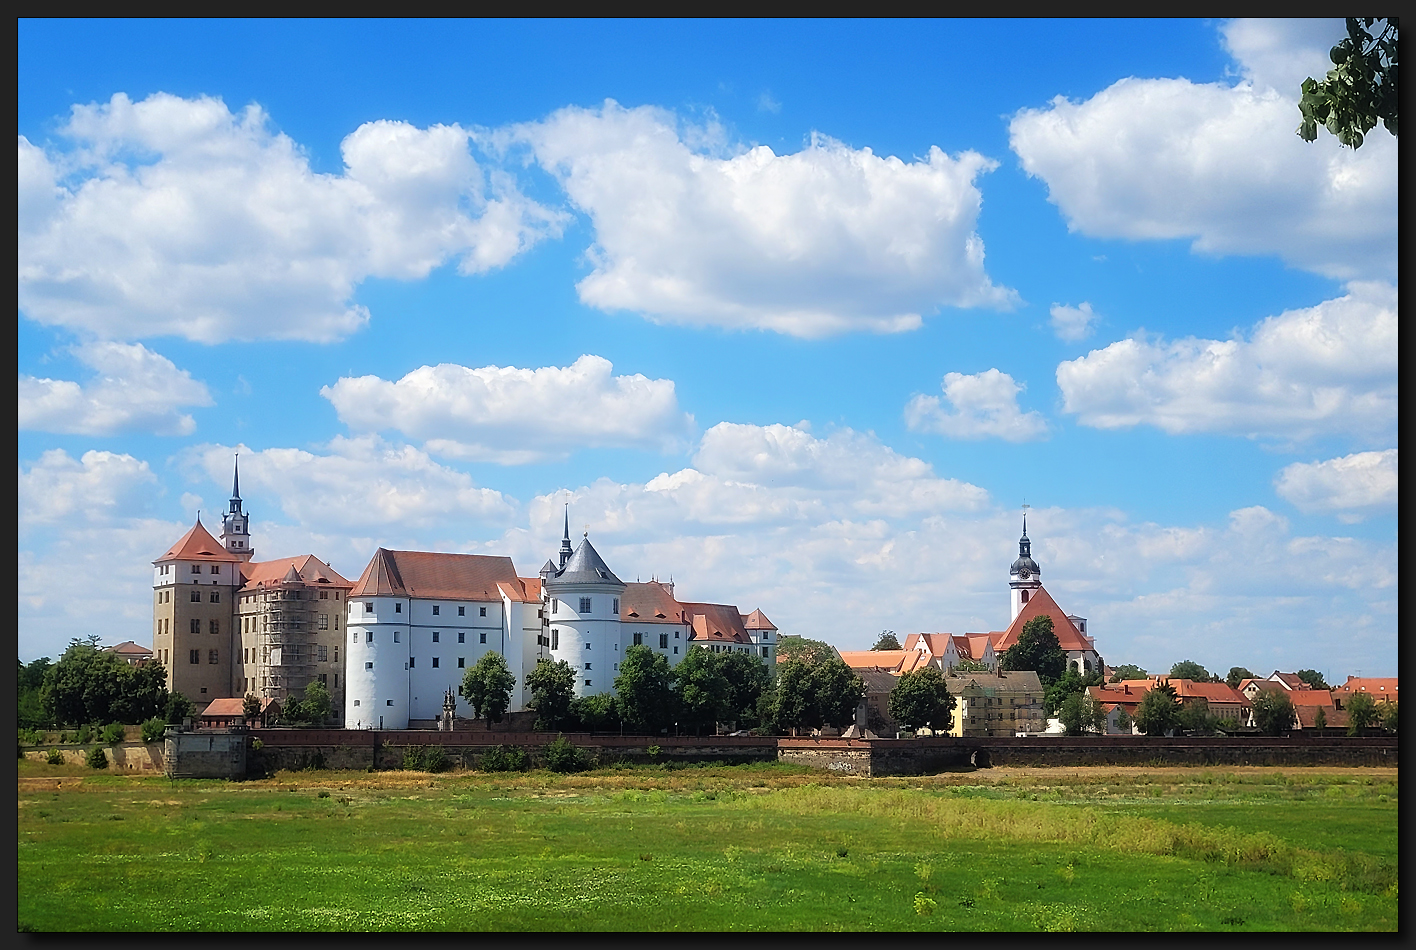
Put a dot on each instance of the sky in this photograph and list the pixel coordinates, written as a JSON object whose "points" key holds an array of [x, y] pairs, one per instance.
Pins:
{"points": [[799, 315]]}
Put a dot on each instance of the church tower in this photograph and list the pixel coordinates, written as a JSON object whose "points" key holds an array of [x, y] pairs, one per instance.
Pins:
{"points": [[1024, 577], [235, 524]]}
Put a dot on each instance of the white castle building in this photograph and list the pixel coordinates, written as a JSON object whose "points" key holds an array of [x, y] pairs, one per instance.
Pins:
{"points": [[417, 620]]}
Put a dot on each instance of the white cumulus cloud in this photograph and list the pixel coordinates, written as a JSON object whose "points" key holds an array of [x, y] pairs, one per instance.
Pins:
{"points": [[511, 415], [135, 390], [1352, 487], [174, 216], [1324, 369], [982, 406], [1221, 165], [94, 488], [826, 240], [1072, 323]]}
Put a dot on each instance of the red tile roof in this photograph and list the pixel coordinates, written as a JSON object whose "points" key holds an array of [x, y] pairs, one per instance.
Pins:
{"points": [[650, 602], [716, 623], [757, 620], [1289, 680], [129, 648], [1378, 686], [308, 568], [427, 574], [892, 661], [1041, 603], [198, 545]]}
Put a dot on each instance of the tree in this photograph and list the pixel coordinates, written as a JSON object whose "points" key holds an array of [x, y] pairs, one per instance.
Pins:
{"points": [[90, 684], [31, 685], [1158, 711], [645, 686], [1127, 671], [805, 649], [1190, 670], [887, 641], [487, 687], [1123, 720], [598, 713], [921, 697], [250, 707], [1320, 718], [1390, 716], [1196, 719], [1037, 649], [1314, 679], [838, 692], [1360, 90], [1080, 714], [749, 679], [1237, 675], [1361, 713], [552, 686], [178, 708], [312, 710], [703, 690], [1069, 684], [1273, 712], [810, 695]]}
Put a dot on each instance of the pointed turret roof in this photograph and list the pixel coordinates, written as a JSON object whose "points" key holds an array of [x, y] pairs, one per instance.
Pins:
{"points": [[197, 545], [380, 577], [311, 570], [757, 620], [236, 477], [585, 566]]}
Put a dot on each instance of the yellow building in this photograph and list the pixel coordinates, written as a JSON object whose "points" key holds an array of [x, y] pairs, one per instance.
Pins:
{"points": [[997, 704]]}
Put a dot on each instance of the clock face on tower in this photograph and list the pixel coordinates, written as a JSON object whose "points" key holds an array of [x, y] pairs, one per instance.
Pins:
{"points": [[1023, 573]]}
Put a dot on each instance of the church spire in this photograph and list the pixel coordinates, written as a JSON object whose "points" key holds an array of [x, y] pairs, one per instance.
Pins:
{"points": [[235, 524], [566, 551]]}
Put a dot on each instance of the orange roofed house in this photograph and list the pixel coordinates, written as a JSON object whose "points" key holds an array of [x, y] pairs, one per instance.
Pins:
{"points": [[225, 624]]}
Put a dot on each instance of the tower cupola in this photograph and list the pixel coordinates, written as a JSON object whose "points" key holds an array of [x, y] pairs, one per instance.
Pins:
{"points": [[1024, 577], [235, 523]]}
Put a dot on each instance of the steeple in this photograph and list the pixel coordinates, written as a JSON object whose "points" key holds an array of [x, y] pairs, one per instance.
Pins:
{"points": [[1024, 577], [235, 524], [566, 551]]}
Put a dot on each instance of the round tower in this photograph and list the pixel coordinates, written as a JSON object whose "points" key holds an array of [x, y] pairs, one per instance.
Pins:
{"points": [[582, 603]]}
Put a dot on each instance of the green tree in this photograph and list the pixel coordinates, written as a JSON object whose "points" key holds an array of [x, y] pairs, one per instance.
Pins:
{"points": [[838, 692], [887, 641], [90, 684], [31, 685], [703, 691], [921, 697], [598, 713], [1190, 670], [1314, 679], [178, 708], [97, 759], [1390, 716], [1081, 714], [552, 686], [793, 703], [804, 649], [647, 700], [487, 687], [1037, 649], [1158, 712], [811, 695], [1123, 720], [1237, 675], [749, 679], [1320, 718], [311, 710], [250, 707], [1127, 671], [1273, 712], [1361, 713], [1195, 718], [1069, 684], [1361, 88]]}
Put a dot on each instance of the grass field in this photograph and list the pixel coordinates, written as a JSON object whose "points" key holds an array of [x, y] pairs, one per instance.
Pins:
{"points": [[733, 848]]}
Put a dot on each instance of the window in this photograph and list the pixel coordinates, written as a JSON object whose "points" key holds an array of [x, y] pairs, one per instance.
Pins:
{"points": [[437, 610], [675, 650], [336, 654], [663, 641], [412, 662], [196, 596], [587, 666], [194, 656], [617, 667], [585, 605], [676, 633], [388, 702], [356, 702], [324, 654], [435, 662], [587, 682], [213, 657], [587, 646], [398, 608], [555, 638], [324, 678], [639, 639], [324, 621], [196, 568], [462, 611], [555, 606], [462, 636], [617, 605], [1025, 596], [324, 595], [216, 569], [368, 637], [215, 597], [461, 662], [484, 638], [435, 636], [397, 636], [336, 683], [215, 626], [367, 666], [368, 608], [483, 611], [196, 625]]}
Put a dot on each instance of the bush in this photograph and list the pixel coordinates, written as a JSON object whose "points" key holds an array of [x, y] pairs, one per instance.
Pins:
{"points": [[96, 758], [563, 756], [505, 759], [85, 735], [154, 728], [425, 759], [113, 733], [31, 737], [55, 757]]}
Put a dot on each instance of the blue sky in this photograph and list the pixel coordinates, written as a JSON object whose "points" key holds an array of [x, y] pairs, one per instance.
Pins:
{"points": [[799, 314]]}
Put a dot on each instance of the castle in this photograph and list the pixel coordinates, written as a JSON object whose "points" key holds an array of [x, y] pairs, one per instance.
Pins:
{"points": [[390, 646]]}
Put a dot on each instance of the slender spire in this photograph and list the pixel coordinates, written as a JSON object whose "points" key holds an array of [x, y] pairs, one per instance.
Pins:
{"points": [[236, 477], [1024, 545], [566, 551]]}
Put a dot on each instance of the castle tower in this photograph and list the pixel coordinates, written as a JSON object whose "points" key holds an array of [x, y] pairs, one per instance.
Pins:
{"points": [[194, 587], [1024, 577], [583, 612], [235, 524]]}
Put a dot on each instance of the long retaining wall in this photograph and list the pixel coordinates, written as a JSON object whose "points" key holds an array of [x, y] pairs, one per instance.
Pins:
{"points": [[928, 755]]}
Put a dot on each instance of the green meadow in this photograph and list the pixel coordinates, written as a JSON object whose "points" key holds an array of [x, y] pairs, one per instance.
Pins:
{"points": [[717, 848]]}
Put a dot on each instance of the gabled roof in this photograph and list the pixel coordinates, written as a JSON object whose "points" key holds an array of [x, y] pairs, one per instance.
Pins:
{"points": [[1290, 681], [757, 620], [1378, 686], [650, 602], [431, 575], [935, 644], [891, 661], [716, 623], [232, 707], [1311, 697], [1209, 692], [1039, 604], [585, 566], [198, 545], [1017, 681], [308, 570], [128, 648]]}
